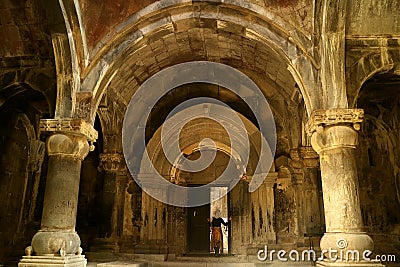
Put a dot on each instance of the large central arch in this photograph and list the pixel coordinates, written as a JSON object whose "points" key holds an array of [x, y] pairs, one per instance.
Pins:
{"points": [[248, 38], [153, 41]]}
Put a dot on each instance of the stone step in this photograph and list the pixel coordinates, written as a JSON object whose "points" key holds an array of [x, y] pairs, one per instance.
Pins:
{"points": [[228, 264], [110, 256], [211, 258], [199, 264], [154, 260], [123, 264]]}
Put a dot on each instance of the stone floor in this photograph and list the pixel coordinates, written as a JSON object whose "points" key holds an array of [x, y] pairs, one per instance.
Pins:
{"points": [[191, 264], [157, 260], [97, 259]]}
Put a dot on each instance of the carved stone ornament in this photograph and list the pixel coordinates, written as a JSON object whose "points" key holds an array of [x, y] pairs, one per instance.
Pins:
{"points": [[111, 162], [75, 146], [309, 157], [271, 179], [83, 105], [69, 126], [327, 117]]}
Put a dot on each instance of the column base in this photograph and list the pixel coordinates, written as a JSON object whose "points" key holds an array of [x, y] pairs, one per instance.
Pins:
{"points": [[104, 245], [349, 264], [53, 261]]}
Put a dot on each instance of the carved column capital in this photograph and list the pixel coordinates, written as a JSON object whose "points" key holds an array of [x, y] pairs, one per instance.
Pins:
{"points": [[69, 126], [309, 157], [329, 117], [111, 162], [73, 146], [270, 179], [334, 128]]}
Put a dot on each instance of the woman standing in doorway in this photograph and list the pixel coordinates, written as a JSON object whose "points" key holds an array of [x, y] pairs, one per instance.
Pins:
{"points": [[216, 232]]}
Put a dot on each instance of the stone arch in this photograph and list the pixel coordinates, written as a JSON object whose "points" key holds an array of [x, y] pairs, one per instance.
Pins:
{"points": [[28, 80], [366, 67], [191, 142], [69, 49], [20, 174], [266, 30], [27, 125], [276, 21], [378, 154], [74, 26], [152, 209]]}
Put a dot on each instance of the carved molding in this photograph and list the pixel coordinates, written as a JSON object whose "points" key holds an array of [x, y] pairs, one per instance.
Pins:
{"points": [[83, 105], [270, 179], [327, 117], [337, 136], [283, 183], [111, 162], [69, 126], [310, 157], [36, 155], [67, 145], [307, 152]]}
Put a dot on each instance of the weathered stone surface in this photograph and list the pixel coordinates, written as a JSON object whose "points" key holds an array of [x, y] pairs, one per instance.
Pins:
{"points": [[57, 234], [67, 261], [335, 140], [108, 16], [70, 68]]}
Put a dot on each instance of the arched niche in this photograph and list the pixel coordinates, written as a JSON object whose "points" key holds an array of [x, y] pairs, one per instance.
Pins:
{"points": [[379, 159]]}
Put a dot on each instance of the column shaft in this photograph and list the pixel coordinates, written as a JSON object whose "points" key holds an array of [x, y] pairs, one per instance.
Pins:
{"points": [[334, 138], [340, 190], [61, 195], [56, 243], [114, 188], [57, 235]]}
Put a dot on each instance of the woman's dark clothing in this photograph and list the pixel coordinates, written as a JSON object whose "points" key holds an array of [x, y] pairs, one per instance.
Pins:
{"points": [[217, 222], [216, 234]]}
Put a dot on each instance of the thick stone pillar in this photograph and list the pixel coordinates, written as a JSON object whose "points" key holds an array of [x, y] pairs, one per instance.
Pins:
{"points": [[37, 151], [132, 217], [57, 243], [269, 183], [114, 188], [304, 163], [334, 137]]}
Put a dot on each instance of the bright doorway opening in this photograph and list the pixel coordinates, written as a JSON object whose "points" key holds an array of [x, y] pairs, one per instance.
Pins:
{"points": [[221, 206]]}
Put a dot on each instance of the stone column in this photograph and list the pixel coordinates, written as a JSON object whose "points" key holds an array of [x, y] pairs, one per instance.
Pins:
{"points": [[37, 151], [334, 137], [304, 163], [115, 185], [269, 183], [57, 243], [132, 217]]}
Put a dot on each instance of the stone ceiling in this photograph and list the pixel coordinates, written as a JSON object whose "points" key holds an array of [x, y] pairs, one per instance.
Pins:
{"points": [[27, 57], [202, 44], [26, 52], [22, 29], [100, 18], [264, 66]]}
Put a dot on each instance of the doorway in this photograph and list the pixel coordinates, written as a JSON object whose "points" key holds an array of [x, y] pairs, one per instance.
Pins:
{"points": [[198, 226], [198, 229], [199, 234], [221, 205]]}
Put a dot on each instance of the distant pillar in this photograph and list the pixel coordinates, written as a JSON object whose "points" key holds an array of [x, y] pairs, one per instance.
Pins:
{"points": [[113, 165], [334, 137], [57, 243], [269, 183], [114, 188]]}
